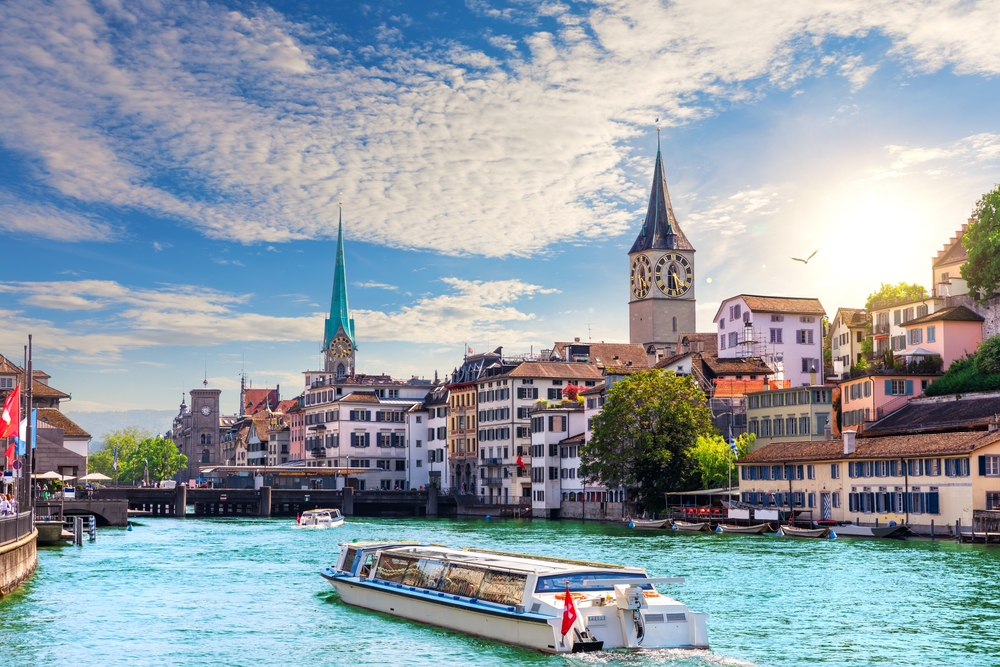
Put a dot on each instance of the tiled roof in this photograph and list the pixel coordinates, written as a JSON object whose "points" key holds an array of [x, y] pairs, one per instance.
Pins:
{"points": [[360, 397], [953, 314], [39, 389], [56, 419], [924, 444], [777, 304], [609, 354], [286, 405], [953, 250], [940, 413], [255, 400], [556, 370], [590, 391], [741, 366], [709, 342], [577, 439], [853, 317]]}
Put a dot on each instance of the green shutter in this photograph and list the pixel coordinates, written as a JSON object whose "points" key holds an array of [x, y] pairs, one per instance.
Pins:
{"points": [[888, 387]]}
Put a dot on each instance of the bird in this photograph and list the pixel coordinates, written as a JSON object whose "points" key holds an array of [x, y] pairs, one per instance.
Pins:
{"points": [[806, 260]]}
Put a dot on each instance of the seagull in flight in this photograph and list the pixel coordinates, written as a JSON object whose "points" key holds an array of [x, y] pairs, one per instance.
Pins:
{"points": [[806, 260]]}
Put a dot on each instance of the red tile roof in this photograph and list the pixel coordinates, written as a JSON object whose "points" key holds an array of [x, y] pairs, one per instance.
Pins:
{"points": [[609, 354], [54, 418], [953, 250], [255, 400], [777, 304], [895, 446], [556, 370], [360, 397], [953, 314]]}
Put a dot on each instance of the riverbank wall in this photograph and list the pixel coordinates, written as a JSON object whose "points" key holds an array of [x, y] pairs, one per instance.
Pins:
{"points": [[18, 561]]}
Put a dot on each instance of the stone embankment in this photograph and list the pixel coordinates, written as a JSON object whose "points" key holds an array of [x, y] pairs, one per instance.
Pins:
{"points": [[18, 553]]}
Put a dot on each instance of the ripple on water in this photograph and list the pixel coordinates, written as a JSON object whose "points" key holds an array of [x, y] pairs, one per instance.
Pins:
{"points": [[246, 592]]}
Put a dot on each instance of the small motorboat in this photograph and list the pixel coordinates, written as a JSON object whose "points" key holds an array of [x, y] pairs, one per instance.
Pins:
{"points": [[898, 531], [744, 530], [792, 531], [689, 527], [320, 518], [648, 524]]}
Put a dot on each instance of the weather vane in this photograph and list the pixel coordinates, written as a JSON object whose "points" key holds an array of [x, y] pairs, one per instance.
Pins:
{"points": [[657, 131]]}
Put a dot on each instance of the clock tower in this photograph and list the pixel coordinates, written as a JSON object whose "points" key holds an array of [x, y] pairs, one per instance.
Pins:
{"points": [[661, 276], [339, 344]]}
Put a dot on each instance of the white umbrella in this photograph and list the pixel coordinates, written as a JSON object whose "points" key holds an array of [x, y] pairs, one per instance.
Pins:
{"points": [[48, 475], [95, 477]]}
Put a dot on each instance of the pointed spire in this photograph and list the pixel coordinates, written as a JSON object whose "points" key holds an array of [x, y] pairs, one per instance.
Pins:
{"points": [[660, 229], [340, 314]]}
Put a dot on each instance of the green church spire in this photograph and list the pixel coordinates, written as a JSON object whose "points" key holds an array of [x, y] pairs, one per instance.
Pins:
{"points": [[340, 314]]}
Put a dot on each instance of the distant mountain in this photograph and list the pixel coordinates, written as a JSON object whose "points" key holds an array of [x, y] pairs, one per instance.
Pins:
{"points": [[99, 423]]}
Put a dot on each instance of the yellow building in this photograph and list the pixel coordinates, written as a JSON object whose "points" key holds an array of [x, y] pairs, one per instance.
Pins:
{"points": [[462, 446], [913, 479]]}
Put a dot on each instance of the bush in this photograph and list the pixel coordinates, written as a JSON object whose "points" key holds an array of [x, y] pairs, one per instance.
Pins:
{"points": [[988, 356], [963, 377]]}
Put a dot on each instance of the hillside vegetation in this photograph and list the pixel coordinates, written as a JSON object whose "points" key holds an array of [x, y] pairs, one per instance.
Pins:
{"points": [[979, 372]]}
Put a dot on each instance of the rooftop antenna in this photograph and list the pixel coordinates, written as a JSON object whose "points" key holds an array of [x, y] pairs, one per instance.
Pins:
{"points": [[204, 382], [590, 336]]}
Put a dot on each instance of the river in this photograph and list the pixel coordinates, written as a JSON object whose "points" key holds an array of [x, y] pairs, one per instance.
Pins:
{"points": [[246, 592]]}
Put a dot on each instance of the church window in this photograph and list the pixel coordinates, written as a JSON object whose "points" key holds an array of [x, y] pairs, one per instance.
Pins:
{"points": [[206, 456], [203, 439], [208, 439], [341, 372], [675, 324]]}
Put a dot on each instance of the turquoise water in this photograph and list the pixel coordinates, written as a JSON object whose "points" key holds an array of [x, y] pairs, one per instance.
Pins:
{"points": [[246, 592]]}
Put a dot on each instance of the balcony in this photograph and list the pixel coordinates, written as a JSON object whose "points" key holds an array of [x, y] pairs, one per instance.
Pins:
{"points": [[492, 481], [880, 329], [492, 462]]}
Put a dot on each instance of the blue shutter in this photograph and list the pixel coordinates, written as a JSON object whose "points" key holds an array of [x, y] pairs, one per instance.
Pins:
{"points": [[931, 503], [982, 466], [888, 387], [909, 387], [367, 439], [949, 467]]}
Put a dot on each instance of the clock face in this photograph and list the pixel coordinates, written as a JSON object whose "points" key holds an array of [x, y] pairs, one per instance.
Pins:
{"points": [[206, 411], [674, 274], [642, 276], [341, 348]]}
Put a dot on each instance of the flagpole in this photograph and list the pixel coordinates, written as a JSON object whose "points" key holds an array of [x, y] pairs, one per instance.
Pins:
{"points": [[29, 431]]}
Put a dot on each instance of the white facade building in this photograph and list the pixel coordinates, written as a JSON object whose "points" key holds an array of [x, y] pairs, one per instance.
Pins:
{"points": [[427, 441], [556, 437], [785, 332]]}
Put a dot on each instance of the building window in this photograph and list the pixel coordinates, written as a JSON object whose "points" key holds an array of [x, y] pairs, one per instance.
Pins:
{"points": [[804, 336], [989, 466], [931, 338], [915, 336], [775, 336], [732, 339], [810, 365], [675, 324], [834, 471]]}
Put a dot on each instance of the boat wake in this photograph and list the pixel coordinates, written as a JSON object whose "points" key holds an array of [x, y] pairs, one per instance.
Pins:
{"points": [[668, 656]]}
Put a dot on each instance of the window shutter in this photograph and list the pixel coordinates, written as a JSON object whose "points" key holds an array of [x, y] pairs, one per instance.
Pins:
{"points": [[852, 501], [909, 387], [949, 467], [367, 439], [888, 387], [931, 503], [982, 466]]}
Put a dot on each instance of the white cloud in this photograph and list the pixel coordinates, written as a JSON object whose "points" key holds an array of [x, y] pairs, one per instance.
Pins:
{"points": [[18, 216], [977, 148], [120, 318], [374, 285], [266, 131]]}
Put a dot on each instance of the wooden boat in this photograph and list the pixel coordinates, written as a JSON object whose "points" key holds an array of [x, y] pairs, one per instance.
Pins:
{"points": [[516, 599], [792, 531], [689, 527], [745, 530], [650, 524]]}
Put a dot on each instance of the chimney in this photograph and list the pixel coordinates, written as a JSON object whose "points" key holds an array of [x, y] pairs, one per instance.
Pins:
{"points": [[994, 424], [849, 437], [828, 431], [576, 340]]}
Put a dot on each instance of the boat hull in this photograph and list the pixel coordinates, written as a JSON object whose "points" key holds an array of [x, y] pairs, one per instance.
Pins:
{"points": [[743, 530], [849, 530], [813, 533], [532, 631], [686, 527], [648, 525]]}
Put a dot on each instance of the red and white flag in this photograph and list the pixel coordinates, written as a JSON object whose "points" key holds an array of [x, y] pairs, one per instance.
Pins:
{"points": [[569, 612], [10, 416], [9, 454], [520, 462]]}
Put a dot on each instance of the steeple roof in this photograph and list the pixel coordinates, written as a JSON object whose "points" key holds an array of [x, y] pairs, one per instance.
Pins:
{"points": [[340, 314], [660, 229]]}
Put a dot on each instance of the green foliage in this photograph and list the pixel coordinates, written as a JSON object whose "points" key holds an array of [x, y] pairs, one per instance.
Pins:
{"points": [[714, 458], [901, 292], [964, 375], [982, 241], [861, 366], [866, 348], [137, 449], [644, 434], [988, 356]]}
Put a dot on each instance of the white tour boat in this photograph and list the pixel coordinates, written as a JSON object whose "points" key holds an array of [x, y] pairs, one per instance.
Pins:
{"points": [[320, 518], [517, 599]]}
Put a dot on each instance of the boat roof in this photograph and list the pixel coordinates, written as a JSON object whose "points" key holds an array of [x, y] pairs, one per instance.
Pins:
{"points": [[320, 509], [500, 559]]}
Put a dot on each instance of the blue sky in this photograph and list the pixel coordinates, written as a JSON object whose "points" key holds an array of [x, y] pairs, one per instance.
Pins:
{"points": [[170, 172]]}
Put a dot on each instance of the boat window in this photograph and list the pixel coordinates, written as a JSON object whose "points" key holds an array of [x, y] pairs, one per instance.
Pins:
{"points": [[462, 580], [425, 574], [367, 567], [393, 568], [557, 582], [502, 587], [348, 565]]}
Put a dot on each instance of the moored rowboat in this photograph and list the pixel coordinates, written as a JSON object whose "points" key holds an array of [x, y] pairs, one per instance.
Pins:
{"points": [[746, 530], [643, 523], [792, 531], [689, 527]]}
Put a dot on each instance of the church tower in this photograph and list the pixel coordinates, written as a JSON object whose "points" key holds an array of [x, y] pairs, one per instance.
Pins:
{"points": [[662, 304], [339, 343]]}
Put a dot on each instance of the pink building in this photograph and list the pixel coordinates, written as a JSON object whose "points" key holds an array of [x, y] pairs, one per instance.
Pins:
{"points": [[870, 397], [950, 333]]}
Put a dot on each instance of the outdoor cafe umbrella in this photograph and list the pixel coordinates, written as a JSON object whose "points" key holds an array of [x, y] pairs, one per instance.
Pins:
{"points": [[48, 475], [95, 477]]}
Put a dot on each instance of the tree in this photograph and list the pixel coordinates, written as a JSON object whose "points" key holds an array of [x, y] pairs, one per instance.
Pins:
{"points": [[982, 242], [899, 292], [138, 450], [713, 457], [644, 433]]}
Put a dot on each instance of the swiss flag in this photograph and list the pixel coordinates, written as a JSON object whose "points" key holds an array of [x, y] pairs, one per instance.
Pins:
{"points": [[10, 416], [569, 612], [520, 462]]}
